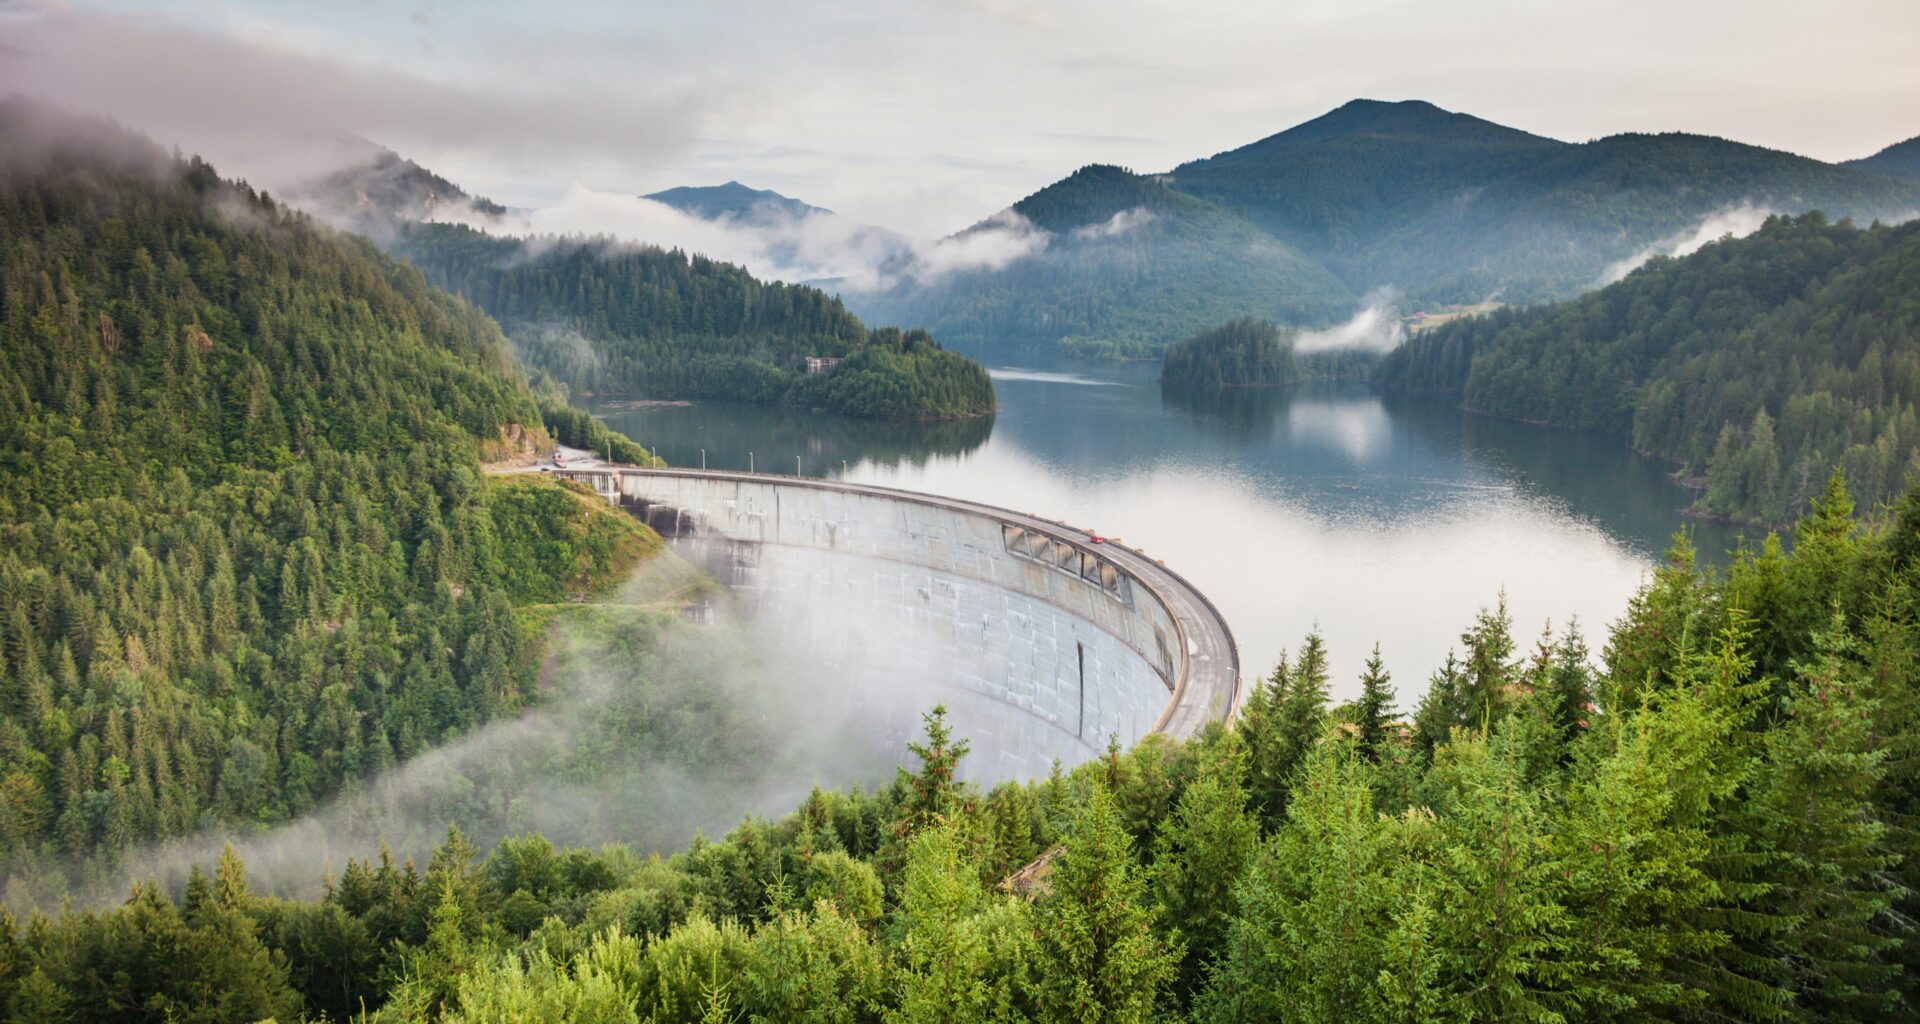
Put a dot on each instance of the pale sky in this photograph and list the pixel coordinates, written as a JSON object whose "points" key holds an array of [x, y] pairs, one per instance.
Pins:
{"points": [[926, 116]]}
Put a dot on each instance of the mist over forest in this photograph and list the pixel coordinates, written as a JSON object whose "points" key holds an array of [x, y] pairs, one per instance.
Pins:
{"points": [[351, 671]]}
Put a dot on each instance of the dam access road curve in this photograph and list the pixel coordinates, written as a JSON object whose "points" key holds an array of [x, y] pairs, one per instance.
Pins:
{"points": [[1042, 641]]}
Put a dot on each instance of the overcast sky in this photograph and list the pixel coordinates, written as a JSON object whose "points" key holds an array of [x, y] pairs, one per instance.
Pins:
{"points": [[926, 116]]}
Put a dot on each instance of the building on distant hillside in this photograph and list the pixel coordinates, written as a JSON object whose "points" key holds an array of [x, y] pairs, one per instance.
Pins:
{"points": [[821, 364]]}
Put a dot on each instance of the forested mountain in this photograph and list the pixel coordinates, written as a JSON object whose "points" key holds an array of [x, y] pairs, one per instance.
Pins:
{"points": [[248, 557], [1715, 821], [1126, 266], [376, 190], [1758, 364], [607, 317], [1450, 208], [1441, 206], [1333, 184], [1900, 160], [733, 199]]}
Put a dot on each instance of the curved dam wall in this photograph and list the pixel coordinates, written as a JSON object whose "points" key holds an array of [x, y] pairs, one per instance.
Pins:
{"points": [[1042, 643]]}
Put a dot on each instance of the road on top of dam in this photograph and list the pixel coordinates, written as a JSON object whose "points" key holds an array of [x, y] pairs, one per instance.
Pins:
{"points": [[1208, 688]]}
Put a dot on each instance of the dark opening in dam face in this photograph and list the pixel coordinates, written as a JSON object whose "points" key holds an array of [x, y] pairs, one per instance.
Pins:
{"points": [[1042, 641]]}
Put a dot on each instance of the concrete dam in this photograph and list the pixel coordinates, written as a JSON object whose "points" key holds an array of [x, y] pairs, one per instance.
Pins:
{"points": [[1041, 641]]}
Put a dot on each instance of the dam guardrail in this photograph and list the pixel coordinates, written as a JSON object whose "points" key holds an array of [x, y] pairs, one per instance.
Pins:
{"points": [[1204, 678]]}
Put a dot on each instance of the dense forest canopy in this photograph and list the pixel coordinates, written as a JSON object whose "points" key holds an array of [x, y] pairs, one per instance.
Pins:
{"points": [[1252, 354], [248, 555], [1713, 819], [1758, 364], [607, 318], [1128, 266]]}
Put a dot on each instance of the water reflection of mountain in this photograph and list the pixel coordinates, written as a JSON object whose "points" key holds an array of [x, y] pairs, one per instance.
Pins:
{"points": [[728, 431]]}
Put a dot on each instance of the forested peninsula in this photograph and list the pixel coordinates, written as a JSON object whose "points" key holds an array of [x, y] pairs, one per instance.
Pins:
{"points": [[1758, 365], [615, 319], [249, 557], [1251, 354]]}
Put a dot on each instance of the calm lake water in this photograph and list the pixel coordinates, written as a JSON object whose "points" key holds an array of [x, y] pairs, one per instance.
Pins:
{"points": [[1372, 518]]}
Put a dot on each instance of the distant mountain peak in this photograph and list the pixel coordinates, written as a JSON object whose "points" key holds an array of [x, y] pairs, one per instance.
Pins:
{"points": [[375, 188], [733, 199]]}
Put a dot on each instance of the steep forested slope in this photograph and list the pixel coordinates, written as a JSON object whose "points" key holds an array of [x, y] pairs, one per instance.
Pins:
{"points": [[247, 553], [1127, 265], [1712, 821], [1759, 363], [608, 317]]}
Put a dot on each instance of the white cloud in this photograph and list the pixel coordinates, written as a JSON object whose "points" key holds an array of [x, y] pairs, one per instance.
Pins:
{"points": [[1116, 225], [773, 245], [1732, 222], [1375, 328]]}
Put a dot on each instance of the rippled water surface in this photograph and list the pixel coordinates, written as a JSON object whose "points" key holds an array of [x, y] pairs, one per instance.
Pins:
{"points": [[1374, 518]]}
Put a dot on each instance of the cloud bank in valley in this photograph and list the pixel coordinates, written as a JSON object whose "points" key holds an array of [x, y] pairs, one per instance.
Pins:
{"points": [[1375, 328], [816, 246], [1732, 222]]}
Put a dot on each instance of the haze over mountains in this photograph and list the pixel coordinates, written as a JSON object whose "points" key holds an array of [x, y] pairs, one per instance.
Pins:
{"points": [[1372, 202]]}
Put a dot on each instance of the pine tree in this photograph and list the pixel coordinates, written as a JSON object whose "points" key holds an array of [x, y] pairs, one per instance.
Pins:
{"points": [[935, 791], [1280, 721], [1097, 957], [1203, 848], [1815, 798], [1315, 909], [1374, 710]]}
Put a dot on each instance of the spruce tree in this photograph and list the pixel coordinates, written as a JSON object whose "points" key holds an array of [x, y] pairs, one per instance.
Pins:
{"points": [[1374, 710], [1097, 957], [1204, 847], [1815, 802]]}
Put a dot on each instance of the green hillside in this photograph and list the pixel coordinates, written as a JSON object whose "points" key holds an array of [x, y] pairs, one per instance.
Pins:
{"points": [[610, 318], [248, 555], [1128, 265], [1758, 364]]}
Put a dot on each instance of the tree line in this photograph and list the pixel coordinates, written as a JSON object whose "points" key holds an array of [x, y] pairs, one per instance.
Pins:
{"points": [[1712, 820], [1251, 354]]}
